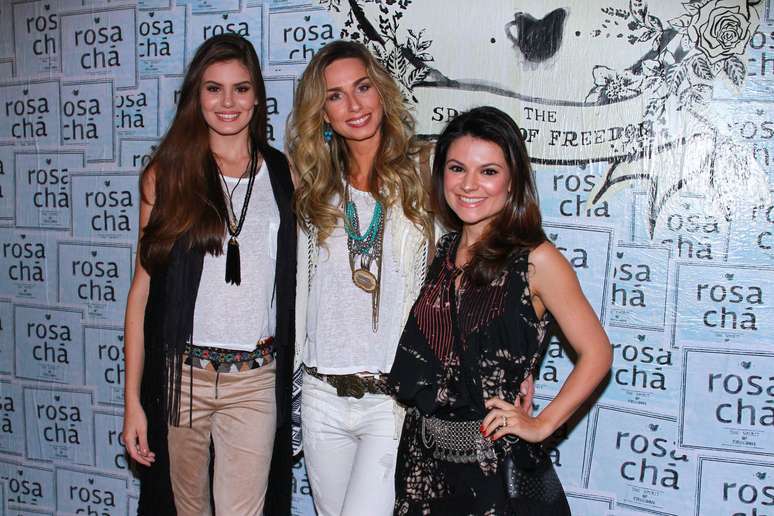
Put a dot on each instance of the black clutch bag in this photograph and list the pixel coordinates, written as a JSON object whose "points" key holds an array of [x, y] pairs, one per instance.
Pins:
{"points": [[531, 482]]}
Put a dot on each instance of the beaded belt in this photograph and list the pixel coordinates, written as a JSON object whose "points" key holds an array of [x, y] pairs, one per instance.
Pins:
{"points": [[352, 385], [222, 360], [456, 441]]}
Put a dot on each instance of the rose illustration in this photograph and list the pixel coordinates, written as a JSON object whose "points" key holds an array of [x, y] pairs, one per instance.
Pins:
{"points": [[721, 28], [610, 86]]}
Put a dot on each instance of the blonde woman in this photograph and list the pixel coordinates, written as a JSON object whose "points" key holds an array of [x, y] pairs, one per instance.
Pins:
{"points": [[363, 249]]}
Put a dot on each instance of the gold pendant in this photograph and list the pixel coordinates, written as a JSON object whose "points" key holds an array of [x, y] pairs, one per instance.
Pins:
{"points": [[364, 280]]}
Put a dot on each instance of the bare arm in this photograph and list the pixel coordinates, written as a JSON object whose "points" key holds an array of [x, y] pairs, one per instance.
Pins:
{"points": [[135, 423], [555, 288]]}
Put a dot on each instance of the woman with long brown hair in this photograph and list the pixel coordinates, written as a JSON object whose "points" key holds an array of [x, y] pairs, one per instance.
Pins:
{"points": [[363, 247], [207, 328], [478, 329]]}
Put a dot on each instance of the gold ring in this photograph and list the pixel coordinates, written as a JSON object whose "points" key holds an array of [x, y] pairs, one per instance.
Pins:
{"points": [[505, 421]]}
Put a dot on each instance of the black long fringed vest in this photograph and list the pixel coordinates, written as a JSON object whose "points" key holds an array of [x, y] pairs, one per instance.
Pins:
{"points": [[169, 319]]}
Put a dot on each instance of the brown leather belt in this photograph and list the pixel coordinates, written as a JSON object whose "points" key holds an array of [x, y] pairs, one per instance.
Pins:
{"points": [[353, 385]]}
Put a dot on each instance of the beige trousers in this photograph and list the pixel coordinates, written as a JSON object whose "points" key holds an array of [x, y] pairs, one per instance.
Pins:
{"points": [[239, 413]]}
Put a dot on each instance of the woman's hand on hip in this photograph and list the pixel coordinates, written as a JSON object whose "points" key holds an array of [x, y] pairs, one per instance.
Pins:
{"points": [[505, 418]]}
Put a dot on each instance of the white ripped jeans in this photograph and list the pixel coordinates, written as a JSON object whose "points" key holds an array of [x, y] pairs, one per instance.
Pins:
{"points": [[350, 447]]}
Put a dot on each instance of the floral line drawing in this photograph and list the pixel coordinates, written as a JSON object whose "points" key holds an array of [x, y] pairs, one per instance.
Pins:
{"points": [[407, 60], [687, 53]]}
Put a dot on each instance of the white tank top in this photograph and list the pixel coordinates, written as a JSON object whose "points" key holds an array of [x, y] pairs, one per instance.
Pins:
{"points": [[338, 320], [236, 317]]}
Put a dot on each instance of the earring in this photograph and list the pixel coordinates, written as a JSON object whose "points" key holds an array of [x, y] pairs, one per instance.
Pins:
{"points": [[327, 134]]}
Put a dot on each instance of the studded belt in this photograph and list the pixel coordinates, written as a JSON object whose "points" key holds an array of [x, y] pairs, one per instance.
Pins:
{"points": [[456, 441], [353, 385]]}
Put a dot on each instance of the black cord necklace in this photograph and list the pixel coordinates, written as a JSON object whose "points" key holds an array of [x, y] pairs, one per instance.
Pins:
{"points": [[233, 260]]}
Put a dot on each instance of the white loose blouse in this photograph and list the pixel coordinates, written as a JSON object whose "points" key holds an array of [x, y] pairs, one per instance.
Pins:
{"points": [[339, 326], [237, 317]]}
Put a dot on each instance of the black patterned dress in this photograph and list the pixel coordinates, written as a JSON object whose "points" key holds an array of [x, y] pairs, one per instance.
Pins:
{"points": [[459, 349]]}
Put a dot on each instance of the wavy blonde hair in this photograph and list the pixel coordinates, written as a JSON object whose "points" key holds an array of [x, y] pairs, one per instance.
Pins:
{"points": [[321, 167]]}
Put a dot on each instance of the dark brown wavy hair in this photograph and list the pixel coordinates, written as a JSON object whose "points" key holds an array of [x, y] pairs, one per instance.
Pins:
{"points": [[518, 226], [188, 197]]}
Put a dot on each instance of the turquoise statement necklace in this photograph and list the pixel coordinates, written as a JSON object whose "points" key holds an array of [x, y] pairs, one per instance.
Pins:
{"points": [[365, 248]]}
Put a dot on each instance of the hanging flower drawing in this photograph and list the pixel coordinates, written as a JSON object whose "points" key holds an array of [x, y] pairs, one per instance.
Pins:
{"points": [[611, 86]]}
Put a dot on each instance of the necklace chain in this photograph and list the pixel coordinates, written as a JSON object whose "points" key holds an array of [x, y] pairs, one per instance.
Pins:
{"points": [[368, 247], [235, 226]]}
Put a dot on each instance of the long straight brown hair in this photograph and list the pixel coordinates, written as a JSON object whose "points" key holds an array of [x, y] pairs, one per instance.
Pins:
{"points": [[189, 198], [518, 226]]}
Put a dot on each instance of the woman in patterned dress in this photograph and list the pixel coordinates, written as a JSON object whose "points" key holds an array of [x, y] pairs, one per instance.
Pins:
{"points": [[479, 328]]}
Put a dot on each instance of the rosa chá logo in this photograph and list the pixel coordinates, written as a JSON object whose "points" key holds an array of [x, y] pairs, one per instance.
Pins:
{"points": [[105, 205], [21, 252], [734, 302], [59, 425], [743, 388], [638, 459], [28, 486], [110, 441], [43, 188], [25, 264], [87, 118], [95, 275], [136, 152], [752, 239], [644, 373], [765, 238], [100, 44], [81, 492], [169, 95], [49, 344], [295, 35], [740, 487], [31, 112], [555, 367], [149, 47], [730, 395], [570, 194], [105, 363], [639, 287], [723, 304], [11, 419], [161, 41], [136, 109], [279, 102], [246, 23], [36, 38], [588, 250], [686, 228]]}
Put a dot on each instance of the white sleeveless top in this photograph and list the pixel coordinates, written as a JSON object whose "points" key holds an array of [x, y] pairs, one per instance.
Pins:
{"points": [[236, 317], [341, 339]]}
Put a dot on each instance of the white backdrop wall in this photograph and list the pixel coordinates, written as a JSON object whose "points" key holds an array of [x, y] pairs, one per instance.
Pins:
{"points": [[650, 125]]}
